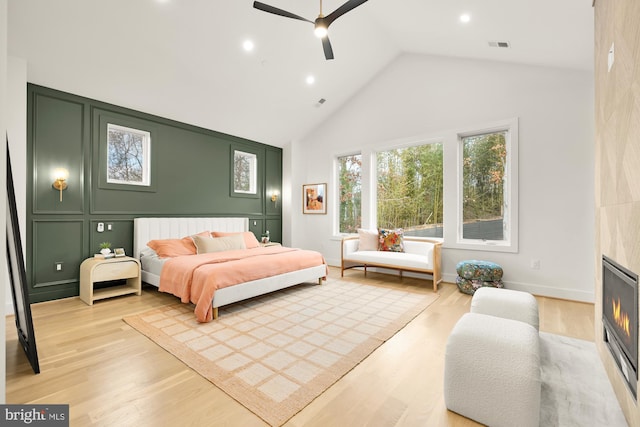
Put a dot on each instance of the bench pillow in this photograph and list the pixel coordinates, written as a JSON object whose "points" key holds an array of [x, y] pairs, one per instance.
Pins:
{"points": [[367, 240], [391, 240]]}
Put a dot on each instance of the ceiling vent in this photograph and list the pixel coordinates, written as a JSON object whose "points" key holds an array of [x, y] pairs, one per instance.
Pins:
{"points": [[499, 44]]}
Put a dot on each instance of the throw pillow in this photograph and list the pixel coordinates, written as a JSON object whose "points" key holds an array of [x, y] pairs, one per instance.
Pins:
{"points": [[206, 245], [250, 240], [391, 240], [168, 248], [367, 240]]}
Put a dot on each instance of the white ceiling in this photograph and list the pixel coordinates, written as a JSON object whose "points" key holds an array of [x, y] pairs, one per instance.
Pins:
{"points": [[183, 59]]}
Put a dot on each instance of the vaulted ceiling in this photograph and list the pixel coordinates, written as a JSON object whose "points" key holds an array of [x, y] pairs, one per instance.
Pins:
{"points": [[184, 60]]}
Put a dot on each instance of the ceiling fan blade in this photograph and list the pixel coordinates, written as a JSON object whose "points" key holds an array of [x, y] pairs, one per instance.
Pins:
{"points": [[276, 11], [326, 45], [351, 4]]}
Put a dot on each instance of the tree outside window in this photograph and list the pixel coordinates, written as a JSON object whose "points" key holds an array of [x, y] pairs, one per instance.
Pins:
{"points": [[350, 193], [410, 189], [245, 167], [128, 155], [484, 160]]}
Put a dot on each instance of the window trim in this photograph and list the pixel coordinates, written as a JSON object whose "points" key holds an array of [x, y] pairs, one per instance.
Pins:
{"points": [[510, 244], [452, 182], [146, 155]]}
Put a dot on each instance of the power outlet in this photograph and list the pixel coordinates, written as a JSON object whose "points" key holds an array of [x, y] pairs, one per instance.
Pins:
{"points": [[58, 265], [535, 264]]}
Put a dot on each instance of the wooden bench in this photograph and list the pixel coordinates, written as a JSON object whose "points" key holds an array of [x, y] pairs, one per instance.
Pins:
{"points": [[419, 256]]}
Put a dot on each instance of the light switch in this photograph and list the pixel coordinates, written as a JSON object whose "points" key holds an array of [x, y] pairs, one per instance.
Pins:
{"points": [[59, 266], [109, 227]]}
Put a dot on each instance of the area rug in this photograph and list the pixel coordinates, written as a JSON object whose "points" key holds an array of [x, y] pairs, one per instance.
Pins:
{"points": [[576, 391], [276, 353]]}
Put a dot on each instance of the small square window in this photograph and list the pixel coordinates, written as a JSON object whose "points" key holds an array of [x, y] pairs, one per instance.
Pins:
{"points": [[245, 172], [128, 156]]}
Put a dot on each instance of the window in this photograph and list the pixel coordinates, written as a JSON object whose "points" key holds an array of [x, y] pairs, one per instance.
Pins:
{"points": [[410, 189], [487, 191], [350, 192], [245, 166], [128, 158]]}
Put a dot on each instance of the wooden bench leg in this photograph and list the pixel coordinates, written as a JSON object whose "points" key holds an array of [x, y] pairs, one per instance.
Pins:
{"points": [[215, 312]]}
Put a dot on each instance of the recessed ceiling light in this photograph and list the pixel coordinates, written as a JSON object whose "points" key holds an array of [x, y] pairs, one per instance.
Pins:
{"points": [[248, 45], [310, 79], [465, 17]]}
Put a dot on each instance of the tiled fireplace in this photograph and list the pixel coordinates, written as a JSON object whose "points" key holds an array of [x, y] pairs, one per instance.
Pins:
{"points": [[620, 318]]}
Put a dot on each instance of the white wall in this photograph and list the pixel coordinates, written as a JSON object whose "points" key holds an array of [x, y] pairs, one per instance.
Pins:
{"points": [[424, 96], [17, 133], [3, 185]]}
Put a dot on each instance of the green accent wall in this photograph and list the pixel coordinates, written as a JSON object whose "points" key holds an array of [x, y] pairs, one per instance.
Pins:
{"points": [[191, 171]]}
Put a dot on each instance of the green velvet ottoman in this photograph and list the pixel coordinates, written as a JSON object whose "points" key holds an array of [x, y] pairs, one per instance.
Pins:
{"points": [[474, 274]]}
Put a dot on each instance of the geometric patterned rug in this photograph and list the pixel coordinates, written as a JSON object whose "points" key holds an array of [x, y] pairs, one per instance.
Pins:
{"points": [[276, 353]]}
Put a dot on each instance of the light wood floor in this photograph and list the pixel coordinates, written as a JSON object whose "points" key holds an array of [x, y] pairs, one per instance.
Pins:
{"points": [[113, 376]]}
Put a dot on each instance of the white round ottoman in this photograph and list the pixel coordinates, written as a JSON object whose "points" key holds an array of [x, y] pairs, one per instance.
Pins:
{"points": [[492, 371], [507, 303]]}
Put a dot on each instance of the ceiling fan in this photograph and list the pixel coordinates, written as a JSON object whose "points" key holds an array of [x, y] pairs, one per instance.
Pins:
{"points": [[321, 23]]}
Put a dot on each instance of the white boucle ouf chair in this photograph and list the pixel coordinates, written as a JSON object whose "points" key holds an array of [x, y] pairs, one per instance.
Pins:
{"points": [[492, 371], [507, 303]]}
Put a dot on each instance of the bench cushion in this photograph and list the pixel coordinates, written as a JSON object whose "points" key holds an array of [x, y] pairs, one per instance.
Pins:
{"points": [[397, 259]]}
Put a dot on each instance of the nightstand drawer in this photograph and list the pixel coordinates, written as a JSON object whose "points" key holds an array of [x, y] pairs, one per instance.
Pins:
{"points": [[115, 270]]}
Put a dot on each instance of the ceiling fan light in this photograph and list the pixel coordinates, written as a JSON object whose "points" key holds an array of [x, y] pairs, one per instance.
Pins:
{"points": [[321, 31]]}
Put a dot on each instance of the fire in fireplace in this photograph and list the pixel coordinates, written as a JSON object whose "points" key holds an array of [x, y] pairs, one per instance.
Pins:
{"points": [[620, 318]]}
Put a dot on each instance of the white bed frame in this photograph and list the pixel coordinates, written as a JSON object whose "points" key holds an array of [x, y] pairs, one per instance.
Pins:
{"points": [[146, 229]]}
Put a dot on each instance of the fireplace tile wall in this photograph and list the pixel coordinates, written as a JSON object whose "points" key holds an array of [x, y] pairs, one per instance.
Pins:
{"points": [[617, 175]]}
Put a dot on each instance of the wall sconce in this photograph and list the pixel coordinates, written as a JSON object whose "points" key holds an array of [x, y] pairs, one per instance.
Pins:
{"points": [[60, 176]]}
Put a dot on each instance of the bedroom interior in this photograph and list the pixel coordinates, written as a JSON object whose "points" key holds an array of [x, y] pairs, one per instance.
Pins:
{"points": [[58, 108]]}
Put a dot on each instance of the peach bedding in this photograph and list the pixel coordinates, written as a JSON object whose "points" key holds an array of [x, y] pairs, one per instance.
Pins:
{"points": [[195, 278]]}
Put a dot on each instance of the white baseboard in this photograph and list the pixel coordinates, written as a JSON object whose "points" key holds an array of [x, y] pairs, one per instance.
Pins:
{"points": [[533, 288], [541, 290]]}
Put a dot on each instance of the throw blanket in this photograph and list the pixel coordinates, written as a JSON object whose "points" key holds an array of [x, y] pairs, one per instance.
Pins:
{"points": [[195, 278]]}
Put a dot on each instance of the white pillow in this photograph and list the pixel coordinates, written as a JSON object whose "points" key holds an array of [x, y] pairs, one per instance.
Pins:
{"points": [[206, 245], [368, 240]]}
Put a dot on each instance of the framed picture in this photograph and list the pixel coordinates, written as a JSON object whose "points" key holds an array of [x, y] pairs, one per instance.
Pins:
{"points": [[119, 252], [314, 199]]}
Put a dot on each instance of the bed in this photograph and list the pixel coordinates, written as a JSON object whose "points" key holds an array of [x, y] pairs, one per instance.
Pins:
{"points": [[148, 229]]}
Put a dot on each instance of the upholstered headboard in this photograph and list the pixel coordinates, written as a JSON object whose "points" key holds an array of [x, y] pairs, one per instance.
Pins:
{"points": [[146, 229]]}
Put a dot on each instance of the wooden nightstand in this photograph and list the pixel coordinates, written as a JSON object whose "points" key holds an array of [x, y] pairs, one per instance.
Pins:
{"points": [[94, 270]]}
